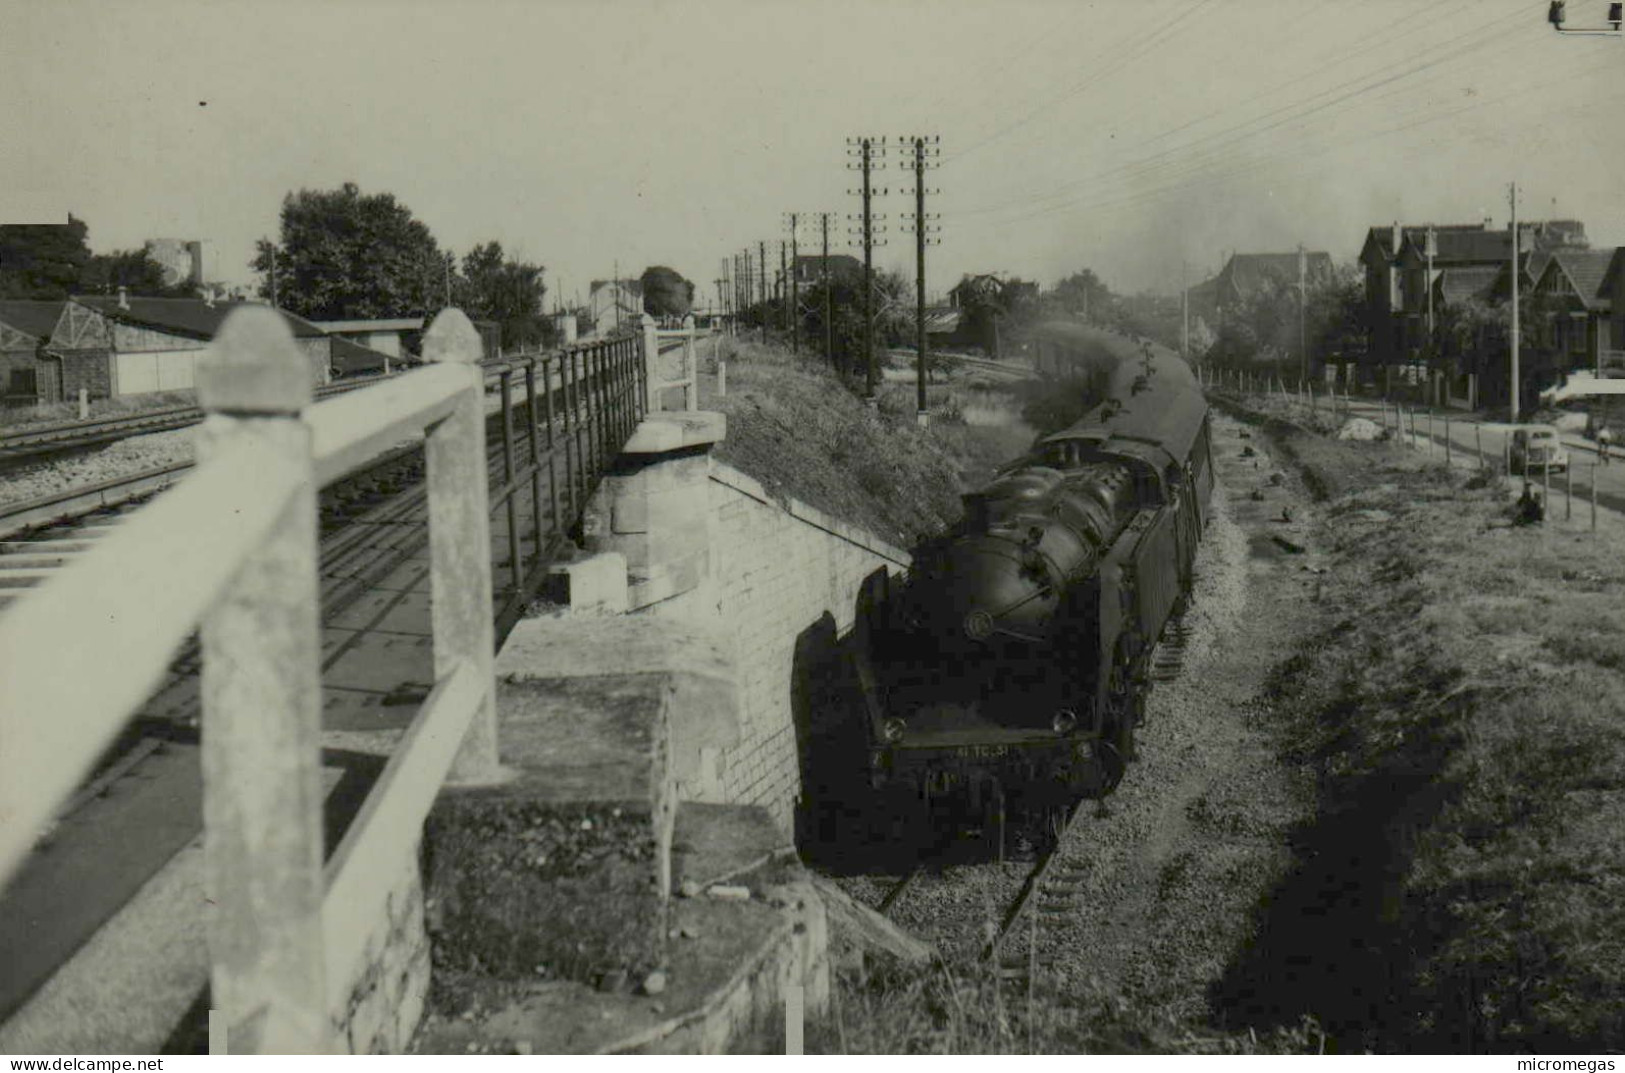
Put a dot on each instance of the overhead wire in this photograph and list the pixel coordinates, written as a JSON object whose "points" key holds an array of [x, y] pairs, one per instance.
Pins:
{"points": [[1143, 196], [1214, 155], [1384, 37], [1250, 128]]}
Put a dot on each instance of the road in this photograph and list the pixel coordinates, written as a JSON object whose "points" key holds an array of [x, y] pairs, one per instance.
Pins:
{"points": [[1470, 436]]}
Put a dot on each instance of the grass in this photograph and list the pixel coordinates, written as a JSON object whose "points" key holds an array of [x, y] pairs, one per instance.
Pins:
{"points": [[794, 426], [960, 1007], [1466, 710], [119, 406]]}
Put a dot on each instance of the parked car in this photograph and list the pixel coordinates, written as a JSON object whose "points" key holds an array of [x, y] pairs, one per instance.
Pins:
{"points": [[1537, 447]]}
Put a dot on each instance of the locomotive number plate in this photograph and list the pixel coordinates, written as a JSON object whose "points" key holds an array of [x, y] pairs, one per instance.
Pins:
{"points": [[981, 752]]}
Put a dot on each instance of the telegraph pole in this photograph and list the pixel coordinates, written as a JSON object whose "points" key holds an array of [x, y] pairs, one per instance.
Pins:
{"points": [[1513, 224], [1185, 312], [782, 288], [761, 275], [795, 289], [829, 303], [273, 278], [868, 149], [925, 146], [1303, 314]]}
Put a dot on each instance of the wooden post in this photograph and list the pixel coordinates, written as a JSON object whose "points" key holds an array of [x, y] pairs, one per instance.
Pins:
{"points": [[722, 378], [1545, 485], [651, 359], [460, 543], [84, 403], [1593, 497], [1449, 457], [1568, 493], [1506, 453], [1478, 442], [262, 705]]}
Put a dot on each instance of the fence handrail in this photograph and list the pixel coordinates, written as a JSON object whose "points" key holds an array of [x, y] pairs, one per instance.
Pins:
{"points": [[55, 718], [232, 549]]}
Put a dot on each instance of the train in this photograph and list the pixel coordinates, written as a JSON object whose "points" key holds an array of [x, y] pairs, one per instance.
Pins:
{"points": [[1008, 672]]}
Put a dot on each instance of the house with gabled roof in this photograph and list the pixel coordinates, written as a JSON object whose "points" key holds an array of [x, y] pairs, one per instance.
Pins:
{"points": [[129, 345], [1576, 309], [25, 374], [1400, 277], [1245, 275], [615, 304]]}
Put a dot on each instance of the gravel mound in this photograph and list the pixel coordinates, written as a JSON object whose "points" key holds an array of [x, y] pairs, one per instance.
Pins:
{"points": [[122, 458], [1359, 428]]}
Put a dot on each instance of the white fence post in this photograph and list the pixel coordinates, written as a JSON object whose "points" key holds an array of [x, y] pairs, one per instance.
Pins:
{"points": [[691, 365], [460, 542], [651, 363], [262, 791]]}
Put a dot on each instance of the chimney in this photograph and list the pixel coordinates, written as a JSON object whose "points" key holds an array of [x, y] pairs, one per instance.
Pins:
{"points": [[123, 298]]}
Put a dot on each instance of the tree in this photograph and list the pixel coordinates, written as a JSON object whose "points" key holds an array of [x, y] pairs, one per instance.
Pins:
{"points": [[1083, 291], [347, 254], [511, 293], [42, 261], [666, 293], [893, 315], [135, 271]]}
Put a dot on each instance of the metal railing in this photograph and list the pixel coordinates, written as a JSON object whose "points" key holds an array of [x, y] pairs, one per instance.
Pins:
{"points": [[231, 550], [563, 417]]}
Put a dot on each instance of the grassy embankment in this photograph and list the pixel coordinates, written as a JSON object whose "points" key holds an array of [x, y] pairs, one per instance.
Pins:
{"points": [[796, 428], [1464, 885]]}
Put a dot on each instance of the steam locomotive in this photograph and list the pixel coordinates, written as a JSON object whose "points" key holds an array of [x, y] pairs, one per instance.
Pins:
{"points": [[1010, 670]]}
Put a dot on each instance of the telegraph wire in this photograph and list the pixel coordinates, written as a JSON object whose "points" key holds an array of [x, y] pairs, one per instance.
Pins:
{"points": [[1161, 160]]}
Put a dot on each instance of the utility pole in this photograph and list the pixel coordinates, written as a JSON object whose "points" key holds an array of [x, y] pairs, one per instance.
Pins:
{"points": [[829, 302], [615, 292], [925, 146], [795, 289], [1185, 312], [761, 274], [273, 278], [1303, 313], [1513, 225], [868, 149], [783, 286], [1430, 248]]}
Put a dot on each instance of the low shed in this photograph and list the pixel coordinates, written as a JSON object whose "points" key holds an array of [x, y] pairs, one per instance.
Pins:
{"points": [[26, 375], [133, 345]]}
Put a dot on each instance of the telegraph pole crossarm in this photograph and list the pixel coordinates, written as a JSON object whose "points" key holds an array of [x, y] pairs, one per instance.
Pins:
{"points": [[867, 150], [925, 148]]}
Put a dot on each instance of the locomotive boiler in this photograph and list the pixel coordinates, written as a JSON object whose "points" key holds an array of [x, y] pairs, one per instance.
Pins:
{"points": [[1010, 669]]}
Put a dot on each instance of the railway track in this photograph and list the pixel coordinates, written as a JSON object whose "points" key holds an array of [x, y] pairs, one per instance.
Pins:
{"points": [[1014, 945], [47, 440], [140, 804]]}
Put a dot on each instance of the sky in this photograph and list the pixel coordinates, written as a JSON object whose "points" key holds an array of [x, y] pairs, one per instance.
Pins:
{"points": [[1144, 139]]}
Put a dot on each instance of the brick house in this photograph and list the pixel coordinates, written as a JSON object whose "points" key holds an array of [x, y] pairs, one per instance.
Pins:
{"points": [[25, 374], [131, 345]]}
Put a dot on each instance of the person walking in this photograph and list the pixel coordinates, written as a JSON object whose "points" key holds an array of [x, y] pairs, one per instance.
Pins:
{"points": [[1604, 439]]}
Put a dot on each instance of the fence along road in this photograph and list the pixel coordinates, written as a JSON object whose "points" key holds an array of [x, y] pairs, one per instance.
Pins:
{"points": [[232, 547]]}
